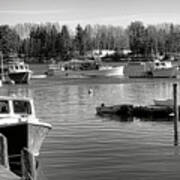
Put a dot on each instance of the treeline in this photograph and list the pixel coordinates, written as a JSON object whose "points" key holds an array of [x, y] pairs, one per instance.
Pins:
{"points": [[46, 41], [152, 40]]}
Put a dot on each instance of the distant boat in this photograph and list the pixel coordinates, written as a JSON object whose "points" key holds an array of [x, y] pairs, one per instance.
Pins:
{"points": [[156, 69], [19, 72], [39, 76], [18, 123], [15, 71], [83, 68], [137, 70], [163, 69], [163, 102]]}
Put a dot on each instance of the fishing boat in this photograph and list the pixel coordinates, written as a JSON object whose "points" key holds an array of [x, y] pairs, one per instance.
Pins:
{"points": [[137, 70], [83, 68], [19, 72], [155, 69], [163, 102], [15, 71], [106, 71], [21, 127], [163, 69]]}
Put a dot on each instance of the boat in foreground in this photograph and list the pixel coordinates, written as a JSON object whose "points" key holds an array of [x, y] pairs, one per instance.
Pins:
{"points": [[22, 129]]}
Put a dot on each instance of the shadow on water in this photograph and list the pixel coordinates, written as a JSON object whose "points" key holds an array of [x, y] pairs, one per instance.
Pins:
{"points": [[16, 90]]}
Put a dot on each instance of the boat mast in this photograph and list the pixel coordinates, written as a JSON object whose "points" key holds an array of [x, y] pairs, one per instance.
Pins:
{"points": [[2, 66]]}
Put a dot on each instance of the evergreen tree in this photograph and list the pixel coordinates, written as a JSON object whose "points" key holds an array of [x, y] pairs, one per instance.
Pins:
{"points": [[9, 40], [80, 40], [64, 44], [136, 32]]}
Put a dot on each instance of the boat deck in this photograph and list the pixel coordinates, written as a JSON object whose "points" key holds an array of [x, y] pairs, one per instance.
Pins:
{"points": [[6, 174]]}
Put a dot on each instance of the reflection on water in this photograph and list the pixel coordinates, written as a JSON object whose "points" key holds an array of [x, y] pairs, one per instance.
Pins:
{"points": [[12, 90], [85, 146]]}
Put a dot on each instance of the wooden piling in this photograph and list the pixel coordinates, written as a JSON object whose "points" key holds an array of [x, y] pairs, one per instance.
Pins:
{"points": [[4, 152], [28, 165], [176, 114]]}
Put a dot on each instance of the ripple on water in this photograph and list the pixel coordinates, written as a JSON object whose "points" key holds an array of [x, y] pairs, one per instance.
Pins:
{"points": [[82, 145]]}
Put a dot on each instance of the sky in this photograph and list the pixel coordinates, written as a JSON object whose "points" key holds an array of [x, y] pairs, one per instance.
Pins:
{"points": [[73, 12]]}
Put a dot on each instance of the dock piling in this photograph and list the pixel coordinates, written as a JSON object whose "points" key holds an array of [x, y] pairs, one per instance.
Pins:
{"points": [[28, 165], [176, 115], [4, 152]]}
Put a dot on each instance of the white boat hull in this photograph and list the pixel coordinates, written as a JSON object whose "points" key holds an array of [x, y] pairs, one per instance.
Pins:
{"points": [[164, 73], [163, 102], [114, 71]]}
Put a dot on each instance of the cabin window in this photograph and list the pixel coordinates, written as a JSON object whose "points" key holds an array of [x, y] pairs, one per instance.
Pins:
{"points": [[21, 107], [4, 107], [11, 68], [16, 67], [22, 67]]}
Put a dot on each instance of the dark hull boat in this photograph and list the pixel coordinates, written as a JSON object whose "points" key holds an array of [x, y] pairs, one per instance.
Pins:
{"points": [[21, 128], [20, 136], [19, 72], [15, 71], [20, 77]]}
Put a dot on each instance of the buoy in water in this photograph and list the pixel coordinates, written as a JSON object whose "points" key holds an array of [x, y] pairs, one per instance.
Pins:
{"points": [[90, 91], [12, 82]]}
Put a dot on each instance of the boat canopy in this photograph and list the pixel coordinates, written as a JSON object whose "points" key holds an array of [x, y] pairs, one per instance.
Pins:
{"points": [[18, 67], [16, 106]]}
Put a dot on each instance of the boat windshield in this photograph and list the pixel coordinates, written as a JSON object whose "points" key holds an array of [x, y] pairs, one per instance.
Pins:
{"points": [[4, 107], [21, 107]]}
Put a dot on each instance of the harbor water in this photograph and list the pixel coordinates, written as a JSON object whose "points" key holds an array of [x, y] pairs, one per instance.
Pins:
{"points": [[84, 146]]}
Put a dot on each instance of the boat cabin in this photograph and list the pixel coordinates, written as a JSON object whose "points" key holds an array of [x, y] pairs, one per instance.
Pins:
{"points": [[162, 64], [18, 67], [15, 108]]}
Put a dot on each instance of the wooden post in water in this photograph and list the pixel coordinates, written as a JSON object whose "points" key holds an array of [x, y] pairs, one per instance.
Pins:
{"points": [[4, 152], [176, 114], [28, 163]]}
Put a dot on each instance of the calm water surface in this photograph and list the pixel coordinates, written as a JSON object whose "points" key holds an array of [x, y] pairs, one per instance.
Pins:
{"points": [[83, 146]]}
